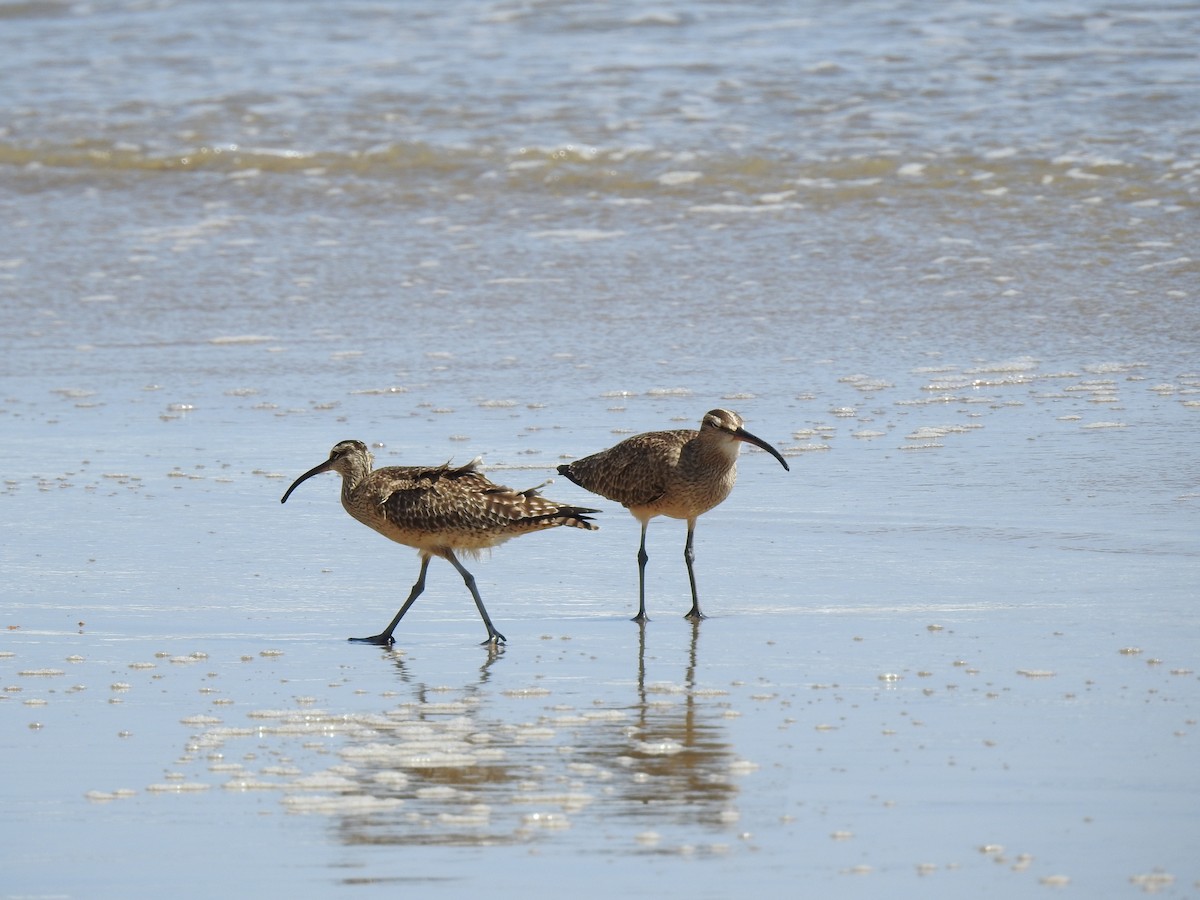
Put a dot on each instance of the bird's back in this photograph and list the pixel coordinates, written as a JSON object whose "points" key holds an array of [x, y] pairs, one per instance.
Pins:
{"points": [[636, 472], [455, 507]]}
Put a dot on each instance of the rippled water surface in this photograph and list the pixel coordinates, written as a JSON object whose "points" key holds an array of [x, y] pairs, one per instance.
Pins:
{"points": [[943, 256]]}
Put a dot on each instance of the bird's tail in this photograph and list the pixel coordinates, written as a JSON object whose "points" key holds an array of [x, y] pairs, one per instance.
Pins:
{"points": [[565, 470], [574, 516]]}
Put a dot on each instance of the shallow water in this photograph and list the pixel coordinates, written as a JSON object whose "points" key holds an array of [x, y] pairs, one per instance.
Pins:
{"points": [[946, 663], [943, 258]]}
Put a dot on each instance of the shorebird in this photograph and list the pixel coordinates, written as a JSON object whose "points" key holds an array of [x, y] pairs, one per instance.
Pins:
{"points": [[682, 474], [439, 510]]}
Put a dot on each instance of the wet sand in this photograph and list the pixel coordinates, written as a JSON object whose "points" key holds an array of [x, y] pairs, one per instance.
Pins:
{"points": [[942, 659]]}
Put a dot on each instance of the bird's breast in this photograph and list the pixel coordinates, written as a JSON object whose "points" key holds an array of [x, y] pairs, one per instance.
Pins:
{"points": [[689, 497]]}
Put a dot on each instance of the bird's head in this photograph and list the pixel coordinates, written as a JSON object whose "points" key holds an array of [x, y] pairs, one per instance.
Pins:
{"points": [[347, 458], [729, 424]]}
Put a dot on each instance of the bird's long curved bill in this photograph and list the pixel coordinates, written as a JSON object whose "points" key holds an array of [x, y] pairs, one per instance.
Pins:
{"points": [[742, 435], [315, 470]]}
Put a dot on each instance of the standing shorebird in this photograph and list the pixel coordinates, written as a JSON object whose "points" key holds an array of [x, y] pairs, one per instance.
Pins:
{"points": [[438, 510], [682, 474]]}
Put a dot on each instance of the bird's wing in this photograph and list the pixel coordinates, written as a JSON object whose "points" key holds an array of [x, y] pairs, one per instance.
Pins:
{"points": [[406, 492], [635, 472], [457, 498]]}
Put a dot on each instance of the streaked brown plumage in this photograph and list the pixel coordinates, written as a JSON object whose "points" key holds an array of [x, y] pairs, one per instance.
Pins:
{"points": [[681, 474], [438, 510]]}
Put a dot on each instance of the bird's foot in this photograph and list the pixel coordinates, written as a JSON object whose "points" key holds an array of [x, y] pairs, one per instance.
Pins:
{"points": [[494, 639], [694, 614], [379, 640], [641, 618]]}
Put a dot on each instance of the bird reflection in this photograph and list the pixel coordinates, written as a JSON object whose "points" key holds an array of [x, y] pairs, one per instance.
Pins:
{"points": [[678, 753], [472, 773], [497, 758], [400, 661]]}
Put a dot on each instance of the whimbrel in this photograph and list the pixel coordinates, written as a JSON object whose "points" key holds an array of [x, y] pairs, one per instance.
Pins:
{"points": [[439, 510], [682, 474]]}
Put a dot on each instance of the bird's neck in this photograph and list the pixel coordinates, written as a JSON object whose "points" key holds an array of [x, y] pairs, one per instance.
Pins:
{"points": [[718, 454], [354, 474]]}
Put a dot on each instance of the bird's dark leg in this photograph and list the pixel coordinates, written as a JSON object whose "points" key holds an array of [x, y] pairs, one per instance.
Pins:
{"points": [[689, 556], [494, 637], [384, 638], [642, 558]]}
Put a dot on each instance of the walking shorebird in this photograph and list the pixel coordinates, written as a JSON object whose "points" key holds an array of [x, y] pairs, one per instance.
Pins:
{"points": [[439, 510], [682, 474]]}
